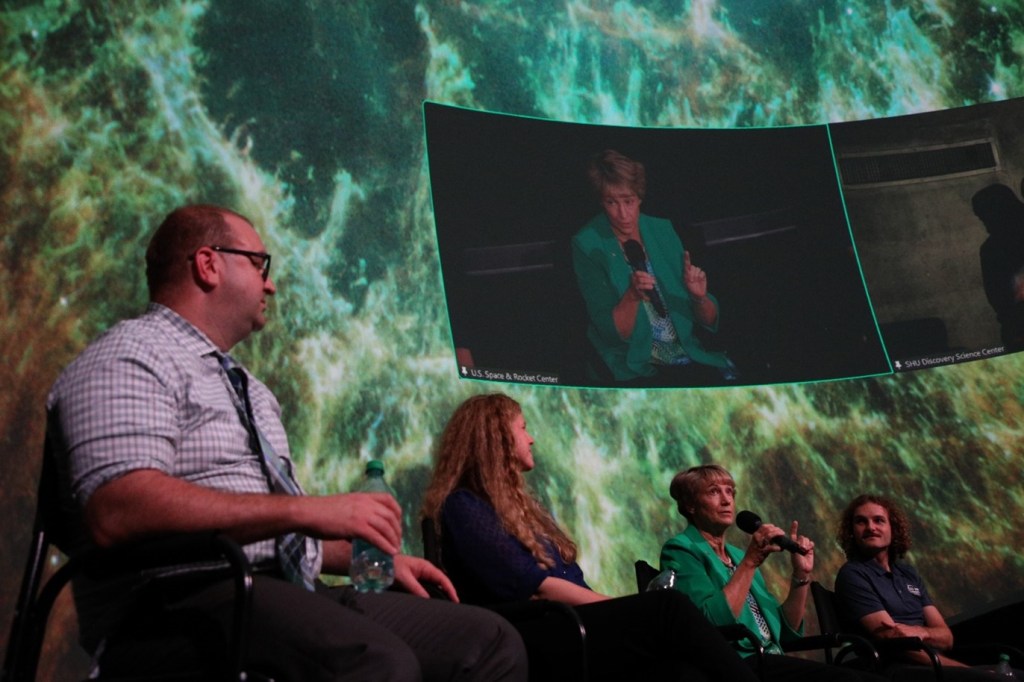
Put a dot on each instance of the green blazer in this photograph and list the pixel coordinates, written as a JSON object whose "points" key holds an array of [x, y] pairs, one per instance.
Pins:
{"points": [[603, 275], [701, 575]]}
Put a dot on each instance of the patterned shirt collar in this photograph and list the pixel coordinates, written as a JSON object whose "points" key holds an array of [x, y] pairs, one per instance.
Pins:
{"points": [[187, 334]]}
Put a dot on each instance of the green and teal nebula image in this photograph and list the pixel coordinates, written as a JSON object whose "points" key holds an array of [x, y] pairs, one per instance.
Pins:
{"points": [[306, 116]]}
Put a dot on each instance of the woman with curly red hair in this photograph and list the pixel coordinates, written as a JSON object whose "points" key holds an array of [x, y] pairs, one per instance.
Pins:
{"points": [[500, 544]]}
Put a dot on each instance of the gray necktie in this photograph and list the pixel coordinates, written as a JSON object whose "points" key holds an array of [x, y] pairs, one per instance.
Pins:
{"points": [[291, 547]]}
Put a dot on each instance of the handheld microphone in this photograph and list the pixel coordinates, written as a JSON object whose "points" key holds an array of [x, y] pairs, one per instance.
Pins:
{"points": [[749, 522], [637, 260]]}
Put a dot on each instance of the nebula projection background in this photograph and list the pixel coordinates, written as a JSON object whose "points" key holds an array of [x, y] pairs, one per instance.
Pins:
{"points": [[307, 116]]}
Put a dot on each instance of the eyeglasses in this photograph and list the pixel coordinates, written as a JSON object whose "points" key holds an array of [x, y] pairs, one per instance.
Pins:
{"points": [[263, 263]]}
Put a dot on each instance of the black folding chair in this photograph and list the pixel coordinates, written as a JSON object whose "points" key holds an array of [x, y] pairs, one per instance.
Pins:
{"points": [[974, 653], [828, 620], [38, 593], [645, 574], [825, 642], [555, 638]]}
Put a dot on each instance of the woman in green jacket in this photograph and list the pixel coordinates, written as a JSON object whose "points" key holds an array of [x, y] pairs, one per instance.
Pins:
{"points": [[645, 299], [725, 581]]}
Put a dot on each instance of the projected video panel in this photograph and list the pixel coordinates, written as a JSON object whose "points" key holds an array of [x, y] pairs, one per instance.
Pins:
{"points": [[934, 206], [534, 265]]}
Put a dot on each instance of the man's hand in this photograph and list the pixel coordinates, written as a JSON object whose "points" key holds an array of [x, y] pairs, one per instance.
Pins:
{"points": [[904, 630], [374, 517], [411, 572], [893, 630]]}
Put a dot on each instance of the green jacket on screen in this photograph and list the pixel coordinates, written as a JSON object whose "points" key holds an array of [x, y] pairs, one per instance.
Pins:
{"points": [[603, 275]]}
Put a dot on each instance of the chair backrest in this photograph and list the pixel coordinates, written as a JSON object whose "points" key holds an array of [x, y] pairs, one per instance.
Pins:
{"points": [[551, 630], [49, 511], [432, 553], [36, 597], [431, 542], [645, 573], [25, 639], [735, 633], [828, 615], [825, 607]]}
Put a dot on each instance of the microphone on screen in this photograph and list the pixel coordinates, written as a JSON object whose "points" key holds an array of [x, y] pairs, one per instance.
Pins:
{"points": [[638, 261], [749, 522]]}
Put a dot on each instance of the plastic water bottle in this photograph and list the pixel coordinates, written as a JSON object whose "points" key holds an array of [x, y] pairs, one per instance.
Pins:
{"points": [[1003, 669], [371, 569], [666, 580]]}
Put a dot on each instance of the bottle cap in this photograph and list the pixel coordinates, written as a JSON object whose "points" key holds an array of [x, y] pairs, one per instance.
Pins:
{"points": [[375, 465]]}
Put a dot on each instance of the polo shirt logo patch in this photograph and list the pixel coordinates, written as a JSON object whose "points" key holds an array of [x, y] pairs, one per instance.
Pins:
{"points": [[914, 590]]}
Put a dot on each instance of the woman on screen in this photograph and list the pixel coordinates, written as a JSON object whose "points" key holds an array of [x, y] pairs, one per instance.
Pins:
{"points": [[499, 545], [644, 297]]}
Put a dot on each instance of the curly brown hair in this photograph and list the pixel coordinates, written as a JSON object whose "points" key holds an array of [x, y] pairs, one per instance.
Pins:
{"points": [[476, 453], [898, 523]]}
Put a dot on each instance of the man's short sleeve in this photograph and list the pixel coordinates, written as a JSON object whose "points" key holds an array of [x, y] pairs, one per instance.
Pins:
{"points": [[111, 414], [856, 596]]}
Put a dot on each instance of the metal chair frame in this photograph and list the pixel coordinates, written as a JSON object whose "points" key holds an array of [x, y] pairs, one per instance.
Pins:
{"points": [[37, 595], [828, 621], [645, 573], [533, 619]]}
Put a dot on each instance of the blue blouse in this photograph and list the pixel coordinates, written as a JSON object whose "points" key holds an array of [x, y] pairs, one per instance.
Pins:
{"points": [[485, 562]]}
